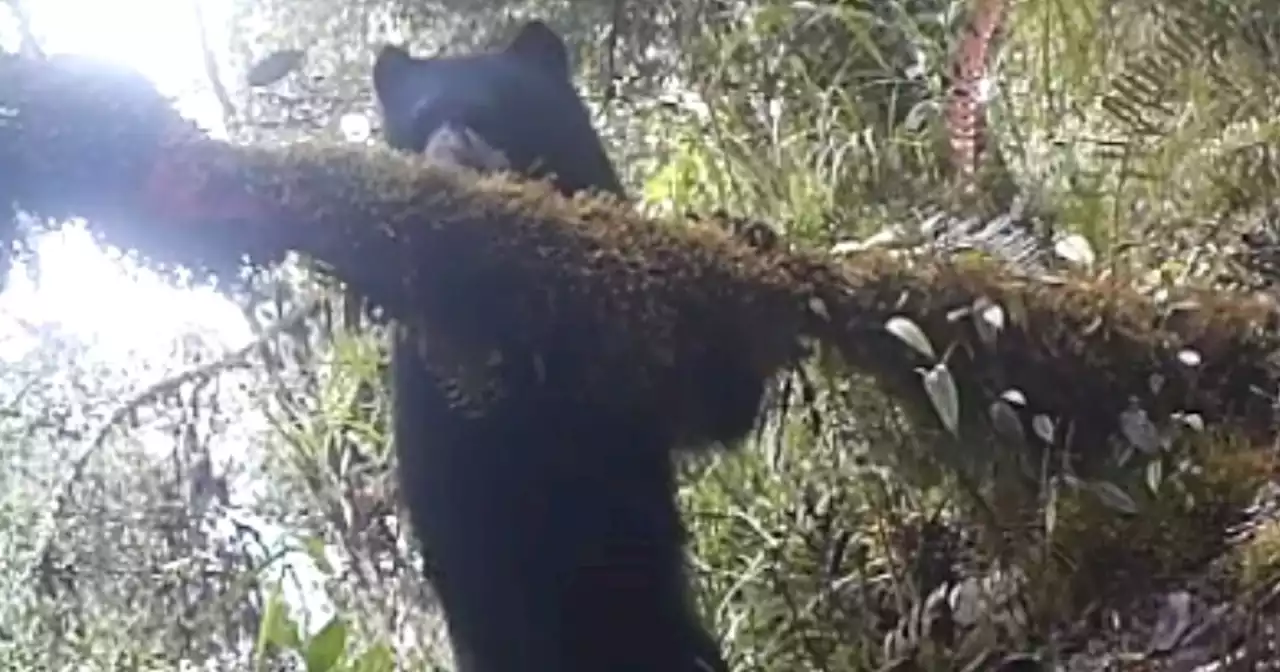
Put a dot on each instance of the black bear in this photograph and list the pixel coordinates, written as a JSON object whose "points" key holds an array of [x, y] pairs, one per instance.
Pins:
{"points": [[554, 532], [519, 102]]}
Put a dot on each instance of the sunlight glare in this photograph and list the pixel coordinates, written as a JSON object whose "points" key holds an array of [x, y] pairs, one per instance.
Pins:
{"points": [[88, 292], [81, 288], [159, 38]]}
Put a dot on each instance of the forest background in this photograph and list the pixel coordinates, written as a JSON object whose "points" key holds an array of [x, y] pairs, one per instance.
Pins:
{"points": [[213, 488]]}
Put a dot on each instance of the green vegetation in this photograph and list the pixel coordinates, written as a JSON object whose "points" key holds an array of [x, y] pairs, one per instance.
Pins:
{"points": [[1052, 437]]}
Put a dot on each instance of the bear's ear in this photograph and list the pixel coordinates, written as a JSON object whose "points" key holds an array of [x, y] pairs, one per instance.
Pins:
{"points": [[542, 47], [388, 68]]}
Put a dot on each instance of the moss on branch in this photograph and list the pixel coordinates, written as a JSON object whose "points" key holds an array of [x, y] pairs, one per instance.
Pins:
{"points": [[523, 294]]}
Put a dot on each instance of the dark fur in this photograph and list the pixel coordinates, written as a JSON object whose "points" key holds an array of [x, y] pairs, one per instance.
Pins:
{"points": [[519, 100], [553, 527]]}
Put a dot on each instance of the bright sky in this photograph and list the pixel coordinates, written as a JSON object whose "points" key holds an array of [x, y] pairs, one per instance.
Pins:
{"points": [[92, 294], [80, 287]]}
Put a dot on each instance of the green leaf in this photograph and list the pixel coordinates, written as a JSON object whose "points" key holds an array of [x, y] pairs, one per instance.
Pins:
{"points": [[1051, 509], [327, 646], [1155, 475], [988, 320], [1113, 497], [910, 333], [278, 628], [941, 388]]}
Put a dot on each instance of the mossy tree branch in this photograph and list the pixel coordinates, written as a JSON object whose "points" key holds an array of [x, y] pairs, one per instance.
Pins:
{"points": [[592, 304]]}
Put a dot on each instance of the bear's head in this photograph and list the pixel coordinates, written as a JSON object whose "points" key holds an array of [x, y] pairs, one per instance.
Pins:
{"points": [[511, 109]]}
